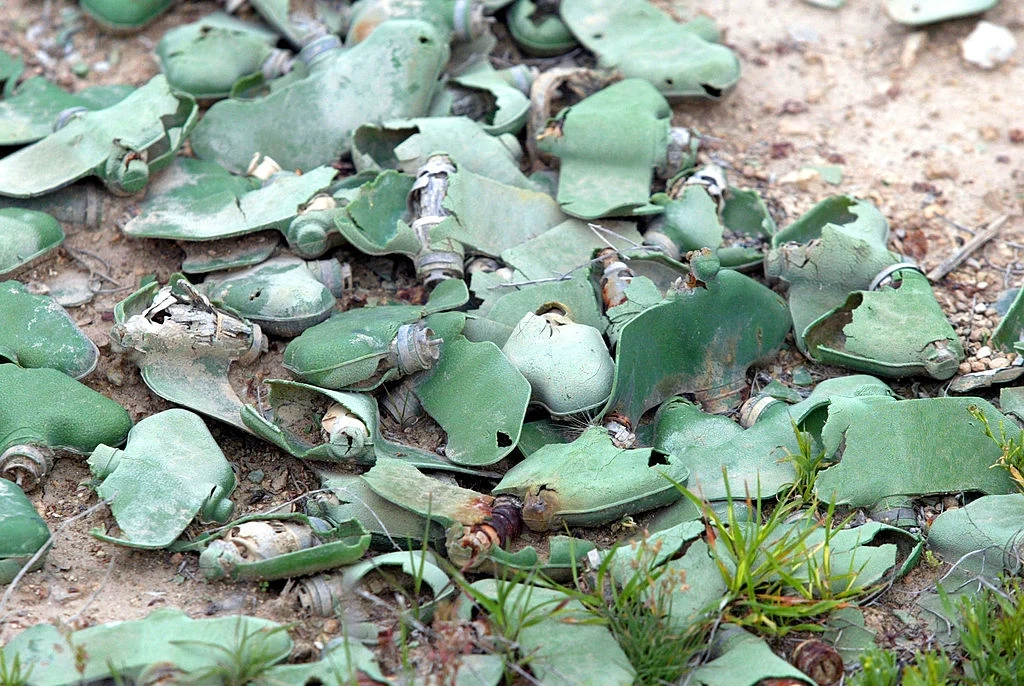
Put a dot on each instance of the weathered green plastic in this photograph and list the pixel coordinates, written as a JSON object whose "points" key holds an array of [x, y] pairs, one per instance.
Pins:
{"points": [[229, 253], [37, 332], [124, 15], [200, 201], [983, 537], [608, 146], [495, 99], [478, 397], [170, 471], [698, 340], [42, 410], [566, 645], [752, 460], [406, 144], [122, 145], [391, 527], [344, 661], [278, 15], [83, 204], [347, 350], [207, 58], [1009, 333], [22, 532], [640, 41], [307, 546], [567, 364], [142, 650], [679, 550], [538, 32], [859, 334], [745, 660], [918, 12], [309, 123], [567, 248], [911, 447], [832, 258], [281, 295], [503, 306], [589, 482], [457, 20], [25, 236], [32, 109], [293, 416], [185, 347]]}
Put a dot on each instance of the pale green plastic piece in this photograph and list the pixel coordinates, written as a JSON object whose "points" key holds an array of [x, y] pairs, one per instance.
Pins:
{"points": [[661, 353], [207, 58], [566, 645], [608, 146], [46, 410], [401, 483], [30, 112], [122, 144], [918, 12], [831, 258], [567, 364], [406, 144], [538, 33], [743, 659], [281, 295], [503, 307], [124, 15], [567, 247], [309, 123], [479, 398], [26, 235], [277, 14], [346, 352], [143, 649], [391, 527], [37, 332], [495, 99], [171, 471], [198, 200], [457, 20], [983, 537], [343, 662], [754, 459], [184, 346], [589, 482], [640, 41], [291, 418], [912, 447], [22, 532], [229, 253], [331, 546]]}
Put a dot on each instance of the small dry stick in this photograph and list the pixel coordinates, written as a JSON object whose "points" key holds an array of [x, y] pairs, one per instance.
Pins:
{"points": [[980, 239]]}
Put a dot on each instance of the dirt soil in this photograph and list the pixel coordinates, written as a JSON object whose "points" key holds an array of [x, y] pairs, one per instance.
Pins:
{"points": [[936, 143]]}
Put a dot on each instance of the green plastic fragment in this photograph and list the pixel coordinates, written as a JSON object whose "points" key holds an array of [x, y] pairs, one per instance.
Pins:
{"points": [[282, 295], [639, 40], [589, 482], [25, 236], [609, 145], [264, 548], [309, 122], [918, 12], [43, 410], [170, 471], [911, 447], [124, 15], [457, 20], [184, 346], [207, 58], [982, 538], [144, 650], [565, 644], [122, 145], [37, 332], [33, 108], [742, 659], [22, 532], [344, 661], [538, 32]]}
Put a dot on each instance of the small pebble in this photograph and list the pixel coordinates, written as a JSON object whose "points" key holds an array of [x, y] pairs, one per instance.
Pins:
{"points": [[982, 285], [115, 376], [983, 352], [978, 366], [980, 307], [998, 363], [965, 368]]}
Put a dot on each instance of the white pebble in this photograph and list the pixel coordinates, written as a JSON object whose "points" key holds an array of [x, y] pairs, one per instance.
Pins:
{"points": [[983, 352], [989, 45]]}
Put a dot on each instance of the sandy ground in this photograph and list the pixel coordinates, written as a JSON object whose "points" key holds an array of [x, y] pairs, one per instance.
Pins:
{"points": [[936, 143]]}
